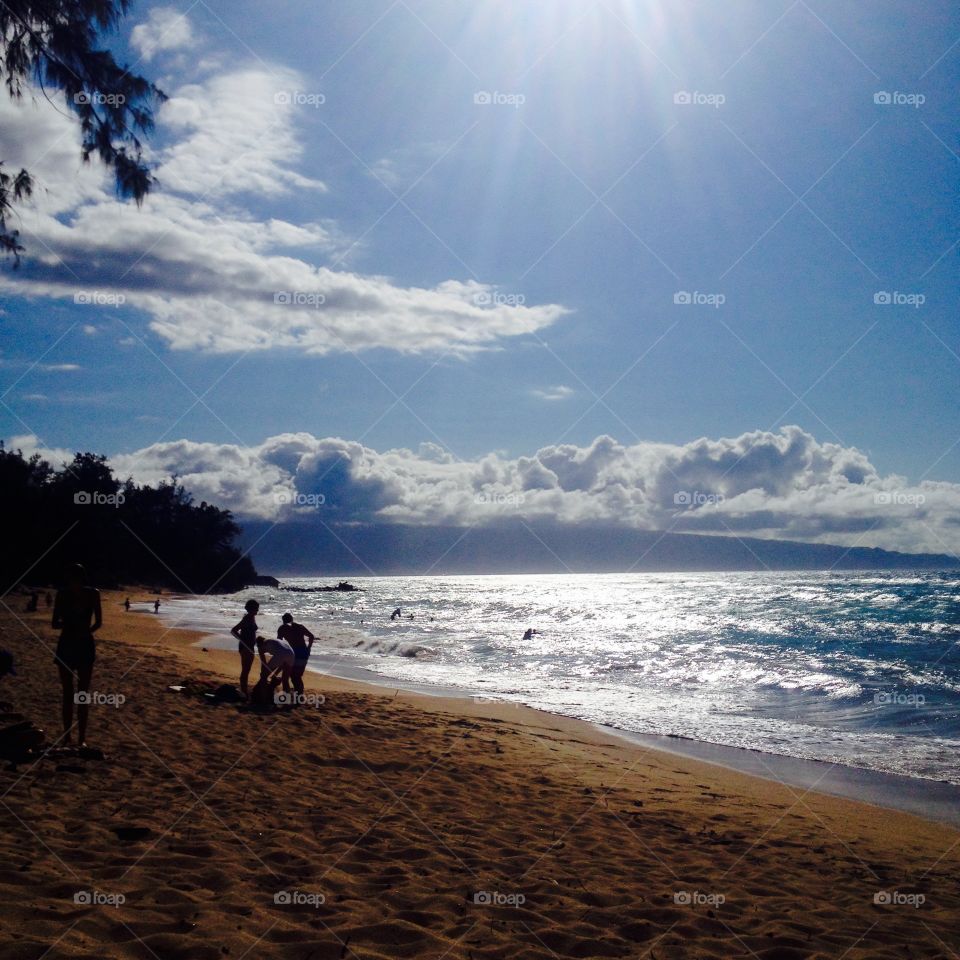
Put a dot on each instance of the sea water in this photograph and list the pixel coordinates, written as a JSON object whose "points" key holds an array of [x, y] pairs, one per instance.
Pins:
{"points": [[861, 669]]}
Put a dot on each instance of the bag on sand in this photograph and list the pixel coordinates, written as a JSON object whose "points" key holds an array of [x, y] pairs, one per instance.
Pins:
{"points": [[225, 693]]}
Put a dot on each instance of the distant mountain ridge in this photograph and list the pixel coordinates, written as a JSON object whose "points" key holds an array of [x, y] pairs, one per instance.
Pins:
{"points": [[385, 549]]}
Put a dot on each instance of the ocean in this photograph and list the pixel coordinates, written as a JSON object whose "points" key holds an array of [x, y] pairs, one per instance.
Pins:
{"points": [[861, 669]]}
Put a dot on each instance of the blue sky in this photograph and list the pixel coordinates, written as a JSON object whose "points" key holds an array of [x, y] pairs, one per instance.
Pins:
{"points": [[569, 214]]}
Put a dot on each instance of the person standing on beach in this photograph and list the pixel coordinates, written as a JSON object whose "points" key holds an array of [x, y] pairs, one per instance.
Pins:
{"points": [[75, 606], [301, 640], [246, 633]]}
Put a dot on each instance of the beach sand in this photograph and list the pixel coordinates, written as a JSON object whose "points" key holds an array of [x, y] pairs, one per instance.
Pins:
{"points": [[397, 825]]}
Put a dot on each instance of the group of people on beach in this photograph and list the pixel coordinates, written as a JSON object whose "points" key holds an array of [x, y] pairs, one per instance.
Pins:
{"points": [[288, 652]]}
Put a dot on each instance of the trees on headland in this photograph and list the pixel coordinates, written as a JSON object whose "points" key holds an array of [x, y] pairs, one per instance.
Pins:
{"points": [[122, 532]]}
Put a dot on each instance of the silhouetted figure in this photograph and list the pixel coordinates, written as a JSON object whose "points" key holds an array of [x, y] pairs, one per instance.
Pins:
{"points": [[246, 633], [156, 605], [126, 604], [396, 614], [530, 634], [33, 602], [301, 640], [280, 663], [76, 605]]}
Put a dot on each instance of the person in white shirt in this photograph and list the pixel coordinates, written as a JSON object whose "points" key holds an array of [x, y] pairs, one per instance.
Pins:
{"points": [[281, 660]]}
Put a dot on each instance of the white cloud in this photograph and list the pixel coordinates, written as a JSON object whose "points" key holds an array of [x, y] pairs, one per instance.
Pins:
{"points": [[559, 392], [210, 276], [761, 484], [166, 29]]}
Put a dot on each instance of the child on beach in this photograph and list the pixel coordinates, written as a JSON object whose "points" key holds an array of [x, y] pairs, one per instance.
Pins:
{"points": [[246, 633]]}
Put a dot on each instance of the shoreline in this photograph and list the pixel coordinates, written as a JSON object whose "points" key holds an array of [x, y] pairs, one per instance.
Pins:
{"points": [[381, 823], [935, 800]]}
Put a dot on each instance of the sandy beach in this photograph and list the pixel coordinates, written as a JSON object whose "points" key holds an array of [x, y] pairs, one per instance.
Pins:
{"points": [[381, 823]]}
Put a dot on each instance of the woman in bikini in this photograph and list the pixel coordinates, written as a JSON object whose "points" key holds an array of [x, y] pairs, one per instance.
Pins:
{"points": [[246, 633]]}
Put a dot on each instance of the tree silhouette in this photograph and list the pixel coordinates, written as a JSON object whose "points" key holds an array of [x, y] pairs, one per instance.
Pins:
{"points": [[55, 43]]}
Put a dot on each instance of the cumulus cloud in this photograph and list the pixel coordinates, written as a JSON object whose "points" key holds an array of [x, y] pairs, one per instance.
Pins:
{"points": [[784, 485], [165, 29], [211, 276]]}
